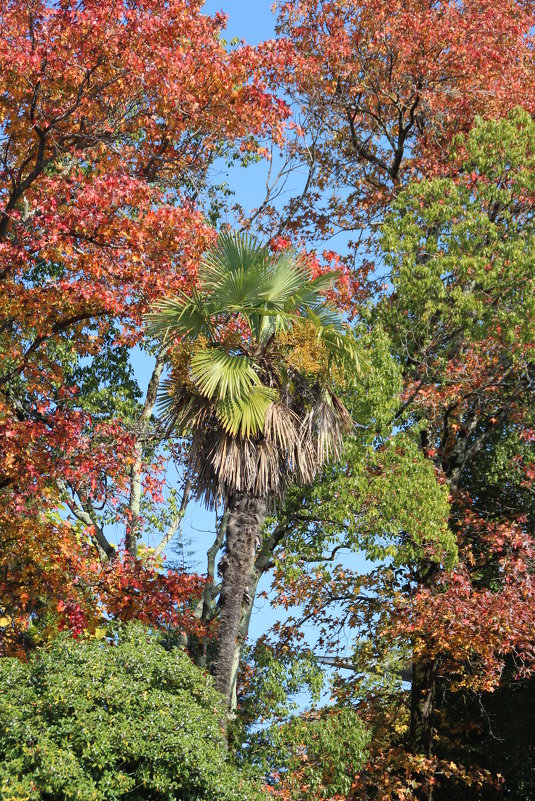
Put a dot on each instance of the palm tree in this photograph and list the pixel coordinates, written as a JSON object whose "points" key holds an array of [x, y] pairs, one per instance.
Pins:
{"points": [[252, 354]]}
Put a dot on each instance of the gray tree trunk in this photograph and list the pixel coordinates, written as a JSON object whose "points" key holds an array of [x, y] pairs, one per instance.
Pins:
{"points": [[246, 515]]}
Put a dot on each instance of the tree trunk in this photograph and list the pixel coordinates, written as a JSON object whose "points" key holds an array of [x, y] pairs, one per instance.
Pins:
{"points": [[423, 691], [422, 706], [246, 515], [134, 504]]}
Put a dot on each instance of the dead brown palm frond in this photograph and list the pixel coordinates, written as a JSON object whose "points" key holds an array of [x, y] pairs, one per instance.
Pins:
{"points": [[321, 433], [233, 462], [303, 459], [346, 421], [268, 470], [183, 411], [225, 459], [206, 481], [306, 426], [281, 427], [327, 432]]}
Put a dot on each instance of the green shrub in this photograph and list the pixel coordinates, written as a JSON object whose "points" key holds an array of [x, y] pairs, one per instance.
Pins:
{"points": [[95, 722]]}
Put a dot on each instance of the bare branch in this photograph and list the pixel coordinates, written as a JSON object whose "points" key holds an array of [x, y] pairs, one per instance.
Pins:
{"points": [[176, 522]]}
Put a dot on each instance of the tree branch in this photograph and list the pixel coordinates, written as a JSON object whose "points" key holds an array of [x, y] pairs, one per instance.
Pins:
{"points": [[176, 522], [134, 505]]}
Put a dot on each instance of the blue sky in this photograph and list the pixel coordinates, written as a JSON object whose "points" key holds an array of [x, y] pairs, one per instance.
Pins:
{"points": [[250, 20]]}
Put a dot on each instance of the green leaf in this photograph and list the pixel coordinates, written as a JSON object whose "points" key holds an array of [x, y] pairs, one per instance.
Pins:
{"points": [[245, 417], [283, 283], [223, 375], [233, 272], [181, 316]]}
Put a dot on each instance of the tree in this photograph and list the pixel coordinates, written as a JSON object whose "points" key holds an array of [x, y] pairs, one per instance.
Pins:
{"points": [[460, 318], [256, 416], [378, 89], [110, 116], [91, 720], [469, 286]]}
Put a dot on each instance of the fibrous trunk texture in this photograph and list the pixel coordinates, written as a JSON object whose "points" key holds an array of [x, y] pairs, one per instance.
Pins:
{"points": [[246, 515]]}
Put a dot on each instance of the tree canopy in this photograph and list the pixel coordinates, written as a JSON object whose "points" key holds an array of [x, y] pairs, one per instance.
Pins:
{"points": [[343, 375]]}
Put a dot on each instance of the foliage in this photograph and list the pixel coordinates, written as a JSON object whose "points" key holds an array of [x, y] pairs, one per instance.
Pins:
{"points": [[110, 116], [411, 558], [274, 683], [91, 720], [459, 317], [314, 756], [233, 393], [379, 89], [51, 581], [462, 250]]}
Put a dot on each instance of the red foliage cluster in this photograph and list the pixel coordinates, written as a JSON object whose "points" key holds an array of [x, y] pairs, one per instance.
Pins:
{"points": [[51, 580]]}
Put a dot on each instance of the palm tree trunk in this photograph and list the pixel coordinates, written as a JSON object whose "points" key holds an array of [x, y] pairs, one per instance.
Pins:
{"points": [[246, 515]]}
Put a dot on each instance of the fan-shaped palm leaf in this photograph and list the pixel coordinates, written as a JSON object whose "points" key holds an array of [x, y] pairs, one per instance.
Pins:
{"points": [[245, 416], [284, 281], [341, 347], [223, 375], [309, 294], [182, 410], [181, 316], [234, 271]]}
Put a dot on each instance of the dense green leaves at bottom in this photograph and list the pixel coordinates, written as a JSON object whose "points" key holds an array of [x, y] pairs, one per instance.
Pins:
{"points": [[89, 721]]}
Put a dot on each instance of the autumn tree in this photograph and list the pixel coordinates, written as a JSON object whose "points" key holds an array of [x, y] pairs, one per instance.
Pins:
{"points": [[460, 319], [470, 378], [377, 90], [380, 92], [111, 115]]}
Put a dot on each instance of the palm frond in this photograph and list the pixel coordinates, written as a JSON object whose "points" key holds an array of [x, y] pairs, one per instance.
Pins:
{"points": [[324, 315], [309, 296], [284, 281], [233, 462], [303, 463], [245, 416], [323, 427], [266, 324], [281, 427], [180, 316], [328, 432], [223, 375], [233, 272], [342, 348], [269, 477], [180, 410]]}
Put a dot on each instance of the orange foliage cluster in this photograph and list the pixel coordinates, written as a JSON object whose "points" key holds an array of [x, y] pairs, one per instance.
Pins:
{"points": [[110, 114], [50, 580]]}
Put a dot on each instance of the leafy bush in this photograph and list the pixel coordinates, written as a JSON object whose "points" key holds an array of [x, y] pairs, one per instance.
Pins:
{"points": [[312, 757], [93, 722]]}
